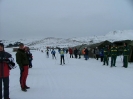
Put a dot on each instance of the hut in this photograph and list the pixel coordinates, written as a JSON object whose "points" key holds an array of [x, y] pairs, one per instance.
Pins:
{"points": [[99, 45]]}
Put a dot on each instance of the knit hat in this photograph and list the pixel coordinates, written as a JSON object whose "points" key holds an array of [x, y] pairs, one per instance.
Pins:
{"points": [[2, 45], [21, 44]]}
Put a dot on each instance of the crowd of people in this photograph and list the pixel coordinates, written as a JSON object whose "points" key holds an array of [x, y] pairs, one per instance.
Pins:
{"points": [[24, 60], [103, 53]]}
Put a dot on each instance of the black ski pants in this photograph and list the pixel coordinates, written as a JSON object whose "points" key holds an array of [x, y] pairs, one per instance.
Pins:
{"points": [[62, 59], [97, 56], [101, 58], [76, 55], [71, 55], [5, 81]]}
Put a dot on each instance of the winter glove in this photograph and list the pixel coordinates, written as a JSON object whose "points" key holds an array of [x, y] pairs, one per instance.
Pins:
{"points": [[7, 60], [12, 63]]}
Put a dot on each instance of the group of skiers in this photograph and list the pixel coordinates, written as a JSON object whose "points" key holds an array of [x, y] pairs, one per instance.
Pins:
{"points": [[61, 51]]}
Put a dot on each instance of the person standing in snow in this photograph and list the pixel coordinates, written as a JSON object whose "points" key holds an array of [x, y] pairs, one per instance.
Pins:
{"points": [[93, 52], [106, 55], [53, 53], [83, 52], [126, 52], [113, 53], [75, 52], [71, 52], [86, 53], [101, 54], [66, 50], [79, 53], [97, 53], [47, 52], [23, 62], [62, 60], [4, 71], [29, 55]]}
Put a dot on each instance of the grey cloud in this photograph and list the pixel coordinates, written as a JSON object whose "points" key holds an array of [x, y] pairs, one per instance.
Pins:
{"points": [[63, 18]]}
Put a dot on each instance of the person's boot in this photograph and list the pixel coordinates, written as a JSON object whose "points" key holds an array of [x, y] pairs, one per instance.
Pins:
{"points": [[24, 89]]}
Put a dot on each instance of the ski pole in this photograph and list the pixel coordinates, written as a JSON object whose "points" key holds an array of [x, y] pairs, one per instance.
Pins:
{"points": [[67, 58]]}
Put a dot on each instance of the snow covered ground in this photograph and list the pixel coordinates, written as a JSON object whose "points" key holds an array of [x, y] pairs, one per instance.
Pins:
{"points": [[77, 79]]}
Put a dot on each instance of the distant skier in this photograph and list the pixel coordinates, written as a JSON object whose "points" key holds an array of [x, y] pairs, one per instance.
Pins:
{"points": [[71, 52], [83, 52], [101, 54], [53, 54], [97, 53], [66, 50], [86, 53], [75, 52], [62, 60], [47, 52], [79, 53]]}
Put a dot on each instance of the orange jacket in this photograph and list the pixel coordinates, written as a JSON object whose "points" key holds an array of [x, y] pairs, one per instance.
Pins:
{"points": [[83, 51]]}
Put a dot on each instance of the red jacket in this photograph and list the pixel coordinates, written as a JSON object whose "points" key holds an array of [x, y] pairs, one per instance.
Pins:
{"points": [[4, 70], [70, 51]]}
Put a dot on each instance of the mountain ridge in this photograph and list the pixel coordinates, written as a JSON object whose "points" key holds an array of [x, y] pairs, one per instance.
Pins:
{"points": [[52, 41]]}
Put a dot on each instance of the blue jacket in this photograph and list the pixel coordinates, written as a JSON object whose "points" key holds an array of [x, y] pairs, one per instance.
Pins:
{"points": [[101, 52], [53, 52]]}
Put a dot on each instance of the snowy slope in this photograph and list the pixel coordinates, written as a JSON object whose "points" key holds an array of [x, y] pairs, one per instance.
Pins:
{"points": [[57, 42], [77, 79]]}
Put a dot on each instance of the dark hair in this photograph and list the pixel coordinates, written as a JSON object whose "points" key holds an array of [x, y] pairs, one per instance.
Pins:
{"points": [[21, 44]]}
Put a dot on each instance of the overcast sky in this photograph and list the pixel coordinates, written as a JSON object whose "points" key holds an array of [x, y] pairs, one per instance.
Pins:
{"points": [[63, 18]]}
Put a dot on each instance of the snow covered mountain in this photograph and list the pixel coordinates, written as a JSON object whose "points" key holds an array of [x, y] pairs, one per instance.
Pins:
{"points": [[60, 42], [111, 36]]}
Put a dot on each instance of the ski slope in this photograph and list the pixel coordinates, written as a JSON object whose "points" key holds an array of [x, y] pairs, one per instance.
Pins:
{"points": [[77, 79]]}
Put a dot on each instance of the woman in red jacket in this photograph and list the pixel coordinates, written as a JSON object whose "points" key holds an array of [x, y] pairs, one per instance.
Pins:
{"points": [[5, 63], [71, 52]]}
